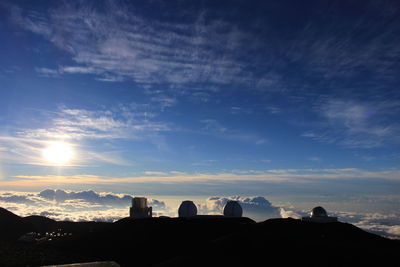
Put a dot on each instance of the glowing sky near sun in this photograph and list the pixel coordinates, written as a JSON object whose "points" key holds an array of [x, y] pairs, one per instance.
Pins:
{"points": [[58, 153]]}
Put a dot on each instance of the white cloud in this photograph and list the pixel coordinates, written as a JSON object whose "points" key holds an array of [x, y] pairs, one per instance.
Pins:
{"points": [[46, 72], [84, 70], [289, 214], [257, 208]]}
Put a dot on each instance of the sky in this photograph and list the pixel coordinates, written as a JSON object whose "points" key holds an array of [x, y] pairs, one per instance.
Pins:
{"points": [[296, 101]]}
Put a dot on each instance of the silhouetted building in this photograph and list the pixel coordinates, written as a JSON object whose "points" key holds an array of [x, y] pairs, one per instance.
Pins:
{"points": [[319, 214], [187, 209], [139, 208], [233, 209]]}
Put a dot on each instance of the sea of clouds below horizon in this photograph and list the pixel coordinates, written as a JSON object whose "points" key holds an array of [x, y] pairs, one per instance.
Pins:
{"points": [[89, 205]]}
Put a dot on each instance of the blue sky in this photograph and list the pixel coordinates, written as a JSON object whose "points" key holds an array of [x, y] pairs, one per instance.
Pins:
{"points": [[201, 97]]}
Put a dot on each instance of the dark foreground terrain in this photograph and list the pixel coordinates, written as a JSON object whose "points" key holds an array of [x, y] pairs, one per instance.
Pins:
{"points": [[196, 241]]}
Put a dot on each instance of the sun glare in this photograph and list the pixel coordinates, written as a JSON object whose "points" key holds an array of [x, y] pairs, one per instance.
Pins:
{"points": [[58, 153]]}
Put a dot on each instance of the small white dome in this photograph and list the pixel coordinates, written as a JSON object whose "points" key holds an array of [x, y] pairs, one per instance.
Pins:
{"points": [[318, 212], [233, 209], [187, 209]]}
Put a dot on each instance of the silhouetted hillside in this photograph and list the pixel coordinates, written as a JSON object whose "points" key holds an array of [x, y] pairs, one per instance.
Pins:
{"points": [[195, 241], [12, 226], [40, 223]]}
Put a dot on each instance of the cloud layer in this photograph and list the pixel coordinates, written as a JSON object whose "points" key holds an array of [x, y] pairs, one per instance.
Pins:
{"points": [[90, 205], [96, 206], [74, 205]]}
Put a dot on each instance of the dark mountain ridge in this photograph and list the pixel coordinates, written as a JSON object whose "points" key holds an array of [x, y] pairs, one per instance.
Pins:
{"points": [[194, 241]]}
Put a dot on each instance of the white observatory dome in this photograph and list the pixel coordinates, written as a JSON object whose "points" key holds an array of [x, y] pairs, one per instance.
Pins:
{"points": [[187, 209], [233, 209], [318, 212]]}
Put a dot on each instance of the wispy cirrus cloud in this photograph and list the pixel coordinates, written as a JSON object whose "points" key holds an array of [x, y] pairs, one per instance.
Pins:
{"points": [[143, 50], [121, 122], [205, 52], [115, 41], [215, 128], [351, 46], [199, 51], [47, 72], [315, 159], [357, 124]]}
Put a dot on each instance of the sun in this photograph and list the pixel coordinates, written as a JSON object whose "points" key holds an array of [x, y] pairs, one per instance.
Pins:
{"points": [[58, 153]]}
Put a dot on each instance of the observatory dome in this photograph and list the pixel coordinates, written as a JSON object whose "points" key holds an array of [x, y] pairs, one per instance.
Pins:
{"points": [[233, 209], [318, 212], [187, 209]]}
